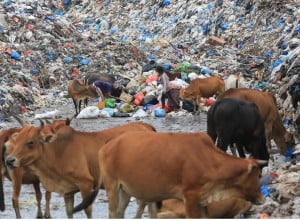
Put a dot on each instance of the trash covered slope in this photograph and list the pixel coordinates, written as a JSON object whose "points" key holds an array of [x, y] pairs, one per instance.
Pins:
{"points": [[45, 43]]}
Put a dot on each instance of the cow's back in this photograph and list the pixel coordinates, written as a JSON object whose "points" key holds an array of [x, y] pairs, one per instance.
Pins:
{"points": [[154, 166], [268, 109], [92, 77], [237, 121], [150, 152], [263, 101], [207, 87]]}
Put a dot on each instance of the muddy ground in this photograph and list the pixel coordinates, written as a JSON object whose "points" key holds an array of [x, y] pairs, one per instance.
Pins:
{"points": [[180, 122]]}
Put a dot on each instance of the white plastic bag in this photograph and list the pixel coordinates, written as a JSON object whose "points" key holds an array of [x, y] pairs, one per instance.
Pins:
{"points": [[140, 113], [50, 114], [89, 112]]}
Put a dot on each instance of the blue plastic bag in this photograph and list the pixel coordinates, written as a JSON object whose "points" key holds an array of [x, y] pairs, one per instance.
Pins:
{"points": [[34, 71], [159, 112], [264, 190], [15, 55], [67, 60], [84, 61], [166, 2]]}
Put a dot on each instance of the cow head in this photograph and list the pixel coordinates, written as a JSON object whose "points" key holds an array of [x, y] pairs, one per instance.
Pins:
{"points": [[250, 181], [25, 146], [245, 186], [186, 94], [49, 131], [289, 139], [78, 90]]}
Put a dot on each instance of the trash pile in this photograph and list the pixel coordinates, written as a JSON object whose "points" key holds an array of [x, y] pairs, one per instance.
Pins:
{"points": [[46, 43]]}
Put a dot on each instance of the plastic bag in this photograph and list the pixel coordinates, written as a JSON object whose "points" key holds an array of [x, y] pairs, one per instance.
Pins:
{"points": [[140, 113], [159, 112], [110, 102], [50, 114], [89, 112]]}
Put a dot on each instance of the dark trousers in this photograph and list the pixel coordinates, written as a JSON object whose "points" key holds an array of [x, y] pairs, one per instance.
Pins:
{"points": [[173, 98], [163, 99]]}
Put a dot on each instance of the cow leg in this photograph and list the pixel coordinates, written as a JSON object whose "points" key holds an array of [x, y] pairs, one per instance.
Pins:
{"points": [[198, 103], [152, 210], [223, 143], [75, 105], [140, 210], [2, 204], [69, 202], [268, 132], [240, 149], [16, 178], [113, 198], [193, 208], [124, 199], [79, 105], [38, 196], [196, 107], [86, 102], [233, 149], [47, 206]]}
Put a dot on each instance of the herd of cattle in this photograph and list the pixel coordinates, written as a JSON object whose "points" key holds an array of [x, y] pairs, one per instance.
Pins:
{"points": [[176, 174]]}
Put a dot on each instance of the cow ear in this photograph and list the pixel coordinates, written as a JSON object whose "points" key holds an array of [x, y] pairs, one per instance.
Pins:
{"points": [[49, 138], [14, 136]]}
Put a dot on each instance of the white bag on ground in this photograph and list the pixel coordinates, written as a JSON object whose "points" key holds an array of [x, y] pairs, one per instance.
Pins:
{"points": [[48, 115], [89, 112]]}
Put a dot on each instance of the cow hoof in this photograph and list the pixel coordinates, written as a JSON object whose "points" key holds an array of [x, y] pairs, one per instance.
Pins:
{"points": [[47, 216], [39, 216]]}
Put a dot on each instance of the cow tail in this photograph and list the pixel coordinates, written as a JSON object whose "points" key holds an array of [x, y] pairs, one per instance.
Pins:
{"points": [[86, 202], [2, 204]]}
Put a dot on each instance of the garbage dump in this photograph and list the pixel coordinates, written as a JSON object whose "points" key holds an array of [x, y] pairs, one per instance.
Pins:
{"points": [[46, 43]]}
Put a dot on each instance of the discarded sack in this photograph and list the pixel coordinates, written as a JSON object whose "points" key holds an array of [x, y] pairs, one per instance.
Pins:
{"points": [[89, 112]]}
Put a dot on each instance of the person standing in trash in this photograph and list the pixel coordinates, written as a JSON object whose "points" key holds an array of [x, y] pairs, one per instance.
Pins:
{"points": [[106, 89], [166, 91]]}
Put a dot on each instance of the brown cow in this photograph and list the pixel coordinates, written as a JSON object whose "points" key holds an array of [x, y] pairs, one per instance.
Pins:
{"points": [[267, 105], [174, 208], [66, 160], [229, 208], [22, 175], [78, 91], [185, 166], [198, 88]]}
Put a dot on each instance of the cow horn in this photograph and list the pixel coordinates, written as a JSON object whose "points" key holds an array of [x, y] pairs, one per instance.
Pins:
{"points": [[68, 120], [42, 122], [262, 162], [48, 121], [20, 121]]}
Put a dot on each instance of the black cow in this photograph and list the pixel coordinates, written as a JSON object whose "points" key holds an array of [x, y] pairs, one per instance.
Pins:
{"points": [[234, 121], [294, 91], [297, 126]]}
